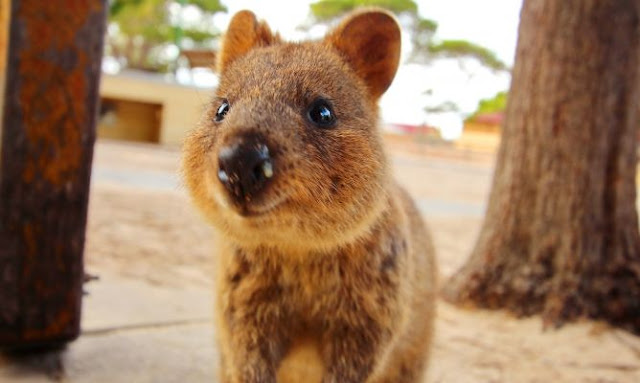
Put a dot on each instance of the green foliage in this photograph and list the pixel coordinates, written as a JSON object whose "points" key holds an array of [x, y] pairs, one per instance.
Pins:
{"points": [[330, 9], [117, 6], [210, 6], [422, 31], [145, 26], [150, 18], [427, 25], [462, 48], [497, 103]]}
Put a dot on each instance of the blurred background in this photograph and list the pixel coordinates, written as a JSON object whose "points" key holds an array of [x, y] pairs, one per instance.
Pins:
{"points": [[451, 87]]}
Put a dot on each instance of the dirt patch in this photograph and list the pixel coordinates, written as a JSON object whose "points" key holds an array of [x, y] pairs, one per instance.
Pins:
{"points": [[150, 235]]}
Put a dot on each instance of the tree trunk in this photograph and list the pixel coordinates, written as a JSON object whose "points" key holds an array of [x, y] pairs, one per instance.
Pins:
{"points": [[561, 233]]}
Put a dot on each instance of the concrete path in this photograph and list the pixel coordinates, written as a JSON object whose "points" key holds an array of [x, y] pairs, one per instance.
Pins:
{"points": [[137, 327], [148, 317]]}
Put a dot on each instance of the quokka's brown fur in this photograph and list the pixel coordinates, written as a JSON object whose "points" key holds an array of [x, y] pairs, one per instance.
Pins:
{"points": [[325, 270]]}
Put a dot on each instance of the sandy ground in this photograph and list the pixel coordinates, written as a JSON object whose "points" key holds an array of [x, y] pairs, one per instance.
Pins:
{"points": [[141, 226]]}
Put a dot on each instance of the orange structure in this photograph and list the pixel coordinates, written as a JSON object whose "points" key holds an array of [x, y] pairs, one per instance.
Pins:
{"points": [[48, 128]]}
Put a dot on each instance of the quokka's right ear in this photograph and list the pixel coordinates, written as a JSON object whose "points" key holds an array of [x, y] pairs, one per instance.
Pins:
{"points": [[244, 33]]}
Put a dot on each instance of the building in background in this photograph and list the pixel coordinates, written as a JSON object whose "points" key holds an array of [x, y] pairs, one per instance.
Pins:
{"points": [[146, 107], [482, 132]]}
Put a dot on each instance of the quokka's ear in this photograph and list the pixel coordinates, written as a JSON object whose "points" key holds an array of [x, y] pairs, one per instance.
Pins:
{"points": [[244, 33], [369, 41]]}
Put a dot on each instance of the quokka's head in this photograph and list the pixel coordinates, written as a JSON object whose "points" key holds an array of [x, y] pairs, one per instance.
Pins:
{"points": [[288, 153]]}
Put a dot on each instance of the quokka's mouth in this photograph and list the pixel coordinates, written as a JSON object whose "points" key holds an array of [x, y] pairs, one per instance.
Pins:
{"points": [[262, 205], [253, 209], [266, 208]]}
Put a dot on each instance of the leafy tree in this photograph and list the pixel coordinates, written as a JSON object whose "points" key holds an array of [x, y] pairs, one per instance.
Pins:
{"points": [[422, 31], [329, 9], [497, 103], [561, 236], [465, 49], [145, 27]]}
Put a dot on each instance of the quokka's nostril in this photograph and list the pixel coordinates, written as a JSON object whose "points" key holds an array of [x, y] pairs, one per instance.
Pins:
{"points": [[263, 171], [223, 176], [267, 169]]}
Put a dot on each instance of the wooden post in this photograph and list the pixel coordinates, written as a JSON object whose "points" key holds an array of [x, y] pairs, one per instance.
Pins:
{"points": [[50, 105]]}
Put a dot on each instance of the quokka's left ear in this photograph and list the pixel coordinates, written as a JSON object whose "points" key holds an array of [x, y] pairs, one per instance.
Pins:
{"points": [[369, 40]]}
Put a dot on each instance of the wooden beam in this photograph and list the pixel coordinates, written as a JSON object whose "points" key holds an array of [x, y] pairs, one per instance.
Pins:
{"points": [[50, 106]]}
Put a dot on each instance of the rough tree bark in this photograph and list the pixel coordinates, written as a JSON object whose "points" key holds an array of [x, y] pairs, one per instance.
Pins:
{"points": [[560, 237]]}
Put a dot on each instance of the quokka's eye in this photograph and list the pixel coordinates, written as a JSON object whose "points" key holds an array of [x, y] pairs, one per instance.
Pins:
{"points": [[222, 111], [321, 113]]}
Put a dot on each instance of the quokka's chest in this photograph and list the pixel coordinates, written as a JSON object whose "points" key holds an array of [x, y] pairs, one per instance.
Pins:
{"points": [[313, 286]]}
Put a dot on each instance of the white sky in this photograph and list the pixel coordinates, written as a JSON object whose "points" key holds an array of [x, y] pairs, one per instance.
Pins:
{"points": [[490, 23]]}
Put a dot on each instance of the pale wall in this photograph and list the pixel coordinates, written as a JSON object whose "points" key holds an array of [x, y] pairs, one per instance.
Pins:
{"points": [[181, 105], [130, 120]]}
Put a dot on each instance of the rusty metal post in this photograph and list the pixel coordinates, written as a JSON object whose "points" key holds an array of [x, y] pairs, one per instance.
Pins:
{"points": [[50, 105], [5, 10]]}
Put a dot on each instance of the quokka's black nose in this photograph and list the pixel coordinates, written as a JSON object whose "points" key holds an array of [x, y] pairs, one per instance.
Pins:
{"points": [[245, 166]]}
